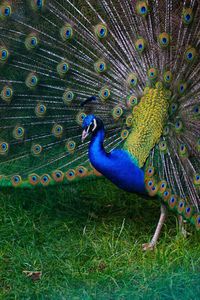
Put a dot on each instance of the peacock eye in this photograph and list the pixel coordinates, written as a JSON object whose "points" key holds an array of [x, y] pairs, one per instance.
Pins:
{"points": [[187, 16], [140, 45], [100, 66], [196, 110], [68, 97], [152, 74], [190, 54], [124, 134], [182, 88], [33, 41], [4, 148], [188, 209], [70, 174], [8, 93], [31, 81], [132, 80], [39, 3], [16, 179], [197, 179], [163, 146], [66, 32], [40, 110], [117, 112], [33, 179], [164, 40], [36, 149], [101, 30], [18, 133], [57, 130], [45, 179], [7, 11], [4, 54], [63, 68], [178, 125], [172, 199], [142, 8]]}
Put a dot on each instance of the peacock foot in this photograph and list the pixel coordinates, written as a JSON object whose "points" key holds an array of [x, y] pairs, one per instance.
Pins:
{"points": [[148, 247], [182, 228]]}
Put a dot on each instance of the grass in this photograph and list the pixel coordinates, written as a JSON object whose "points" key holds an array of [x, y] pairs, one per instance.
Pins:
{"points": [[86, 239]]}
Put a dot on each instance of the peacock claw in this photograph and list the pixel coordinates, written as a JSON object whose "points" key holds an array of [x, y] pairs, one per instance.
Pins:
{"points": [[148, 247]]}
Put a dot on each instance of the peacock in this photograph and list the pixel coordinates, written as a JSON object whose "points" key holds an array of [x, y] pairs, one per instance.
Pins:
{"points": [[103, 88]]}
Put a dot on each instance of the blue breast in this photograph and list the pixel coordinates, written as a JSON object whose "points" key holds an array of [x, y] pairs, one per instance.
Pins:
{"points": [[118, 165]]}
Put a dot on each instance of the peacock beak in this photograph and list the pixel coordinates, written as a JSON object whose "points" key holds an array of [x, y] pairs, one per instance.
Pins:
{"points": [[85, 133]]}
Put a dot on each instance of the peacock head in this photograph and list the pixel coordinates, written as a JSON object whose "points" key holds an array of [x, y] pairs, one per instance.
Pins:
{"points": [[90, 125]]}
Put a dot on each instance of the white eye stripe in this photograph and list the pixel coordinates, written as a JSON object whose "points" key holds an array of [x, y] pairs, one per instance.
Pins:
{"points": [[95, 124], [88, 128]]}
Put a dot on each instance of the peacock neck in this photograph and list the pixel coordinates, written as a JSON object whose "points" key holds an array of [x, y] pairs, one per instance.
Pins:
{"points": [[97, 153], [118, 165]]}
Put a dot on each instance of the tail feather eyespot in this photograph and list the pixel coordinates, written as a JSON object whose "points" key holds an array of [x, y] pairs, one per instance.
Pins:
{"points": [[166, 195], [4, 148], [32, 80], [101, 30], [34, 179], [57, 130], [172, 201], [58, 175], [16, 180], [45, 179], [142, 8], [181, 206], [162, 186], [7, 94], [81, 171], [71, 174], [67, 32], [150, 171], [100, 66], [18, 132]]}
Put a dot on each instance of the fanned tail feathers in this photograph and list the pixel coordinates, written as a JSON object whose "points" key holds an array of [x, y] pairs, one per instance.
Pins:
{"points": [[56, 54]]}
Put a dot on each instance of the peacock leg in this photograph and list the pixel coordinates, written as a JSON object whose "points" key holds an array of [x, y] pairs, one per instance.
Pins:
{"points": [[151, 245], [182, 229]]}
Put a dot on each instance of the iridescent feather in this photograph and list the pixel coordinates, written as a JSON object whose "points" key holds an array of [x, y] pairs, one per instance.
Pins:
{"points": [[139, 59]]}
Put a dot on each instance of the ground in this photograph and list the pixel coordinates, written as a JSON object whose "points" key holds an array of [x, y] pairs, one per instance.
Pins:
{"points": [[86, 240]]}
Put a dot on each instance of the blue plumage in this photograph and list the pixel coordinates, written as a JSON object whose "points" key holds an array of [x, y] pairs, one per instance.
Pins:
{"points": [[118, 165]]}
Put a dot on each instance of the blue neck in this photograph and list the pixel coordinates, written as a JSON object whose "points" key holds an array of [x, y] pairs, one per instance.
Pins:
{"points": [[96, 149], [118, 166]]}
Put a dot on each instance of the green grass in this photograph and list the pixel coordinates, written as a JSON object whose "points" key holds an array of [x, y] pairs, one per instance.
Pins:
{"points": [[86, 239]]}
